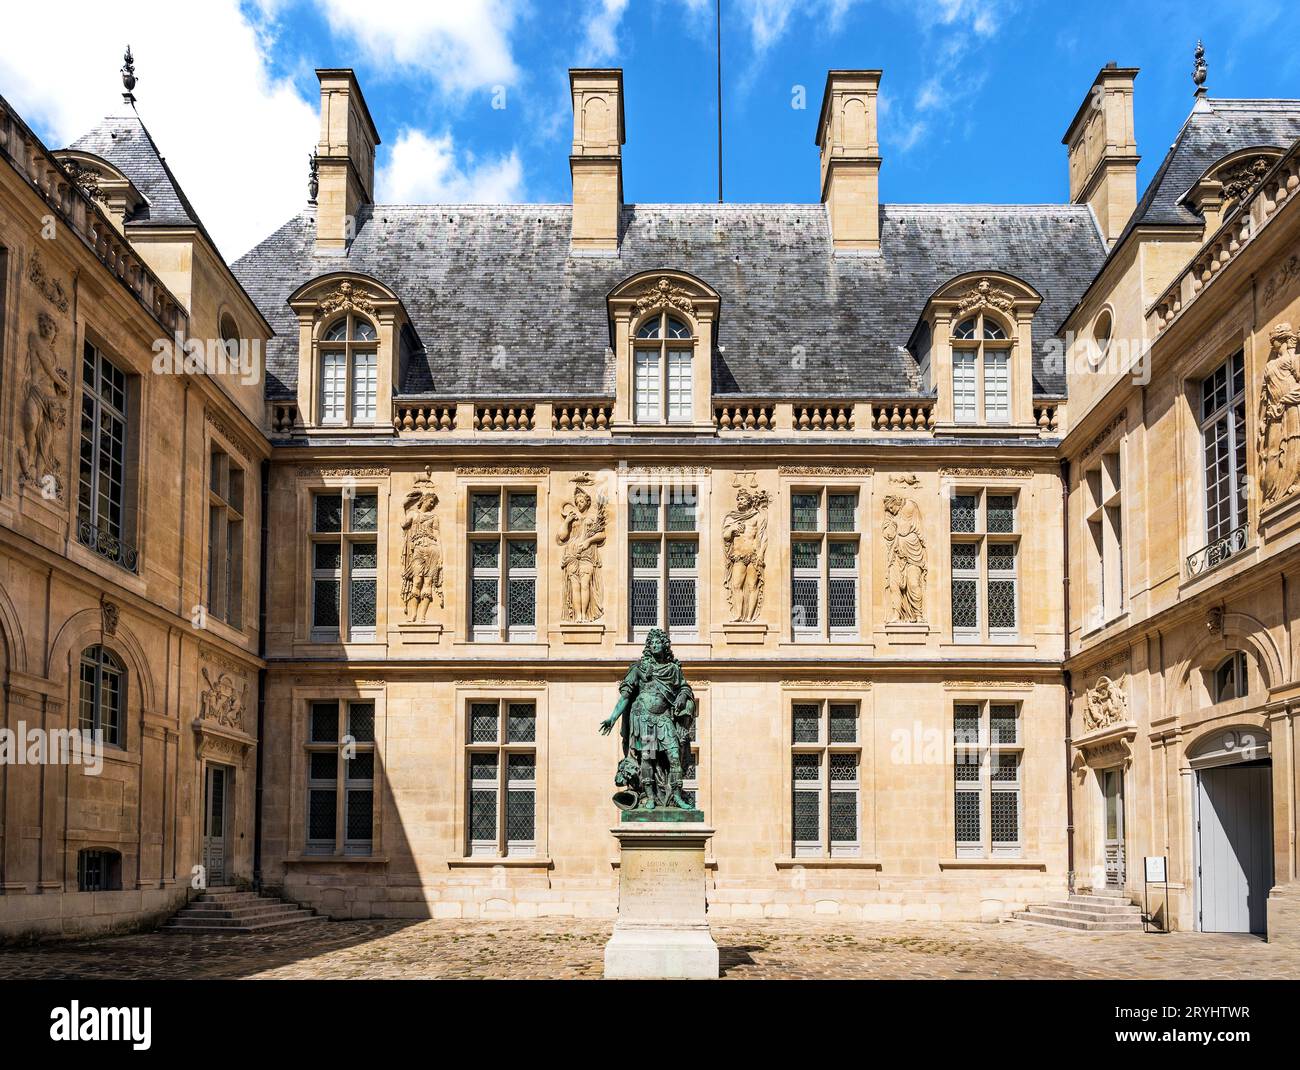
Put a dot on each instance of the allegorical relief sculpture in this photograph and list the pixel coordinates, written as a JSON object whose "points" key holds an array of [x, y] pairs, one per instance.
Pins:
{"points": [[657, 729], [744, 548], [906, 560], [220, 701], [42, 411], [1278, 434], [421, 550], [1104, 705], [582, 534]]}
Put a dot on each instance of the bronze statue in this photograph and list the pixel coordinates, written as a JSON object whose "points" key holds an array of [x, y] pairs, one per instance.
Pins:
{"points": [[657, 730]]}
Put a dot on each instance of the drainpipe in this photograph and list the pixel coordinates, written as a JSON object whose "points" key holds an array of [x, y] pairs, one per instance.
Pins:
{"points": [[1069, 690], [261, 678]]}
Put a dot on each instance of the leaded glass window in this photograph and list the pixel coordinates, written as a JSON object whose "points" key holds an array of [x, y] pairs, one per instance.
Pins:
{"points": [[1223, 433], [501, 778], [340, 754], [824, 563], [344, 565], [987, 754], [225, 575], [503, 565], [983, 559], [663, 553], [825, 761]]}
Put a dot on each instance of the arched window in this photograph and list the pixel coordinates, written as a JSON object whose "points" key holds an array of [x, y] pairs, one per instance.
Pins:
{"points": [[98, 870], [103, 694], [662, 370], [1230, 678], [349, 371], [981, 355]]}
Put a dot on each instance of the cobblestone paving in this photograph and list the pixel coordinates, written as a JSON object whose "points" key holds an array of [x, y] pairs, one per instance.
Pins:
{"points": [[573, 949]]}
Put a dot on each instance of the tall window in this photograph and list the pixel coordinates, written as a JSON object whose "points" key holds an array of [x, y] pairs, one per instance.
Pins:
{"points": [[1223, 434], [225, 538], [501, 757], [1231, 679], [349, 371], [981, 358], [503, 565], [345, 559], [341, 777], [102, 521], [664, 548], [987, 751], [827, 756], [824, 563], [1106, 538], [662, 370], [985, 542], [103, 694]]}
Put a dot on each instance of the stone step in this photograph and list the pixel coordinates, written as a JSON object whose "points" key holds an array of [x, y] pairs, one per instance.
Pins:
{"points": [[235, 923], [303, 917], [230, 904], [1105, 905], [259, 910], [1069, 910], [227, 897], [1080, 920]]}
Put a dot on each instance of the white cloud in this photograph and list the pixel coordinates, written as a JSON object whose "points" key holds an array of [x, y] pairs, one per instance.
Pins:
{"points": [[602, 19], [424, 170], [236, 137], [462, 44]]}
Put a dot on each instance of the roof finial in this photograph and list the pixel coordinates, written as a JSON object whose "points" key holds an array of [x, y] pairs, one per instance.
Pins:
{"points": [[1198, 70], [128, 76], [313, 178]]}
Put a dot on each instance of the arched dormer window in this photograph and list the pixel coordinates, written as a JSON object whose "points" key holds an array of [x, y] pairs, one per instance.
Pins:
{"points": [[662, 330], [349, 356], [1231, 678], [981, 355], [663, 381], [103, 694]]}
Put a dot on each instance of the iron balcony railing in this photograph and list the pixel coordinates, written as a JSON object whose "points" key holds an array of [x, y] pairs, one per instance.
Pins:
{"points": [[108, 546], [1216, 553]]}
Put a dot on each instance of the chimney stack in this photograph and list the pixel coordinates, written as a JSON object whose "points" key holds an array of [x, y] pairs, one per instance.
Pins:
{"points": [[1103, 150], [596, 162], [850, 159], [345, 159]]}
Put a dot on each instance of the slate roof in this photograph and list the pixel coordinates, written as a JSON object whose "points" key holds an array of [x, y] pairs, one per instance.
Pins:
{"points": [[1209, 134], [125, 142], [475, 278]]}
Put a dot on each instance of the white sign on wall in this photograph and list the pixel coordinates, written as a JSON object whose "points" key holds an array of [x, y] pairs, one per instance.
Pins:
{"points": [[1155, 867]]}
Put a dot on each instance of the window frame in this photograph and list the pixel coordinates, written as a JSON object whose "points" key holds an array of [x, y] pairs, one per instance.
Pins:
{"points": [[106, 523], [824, 749], [342, 783], [346, 574], [975, 351], [503, 573], [1231, 413], [665, 349], [664, 573], [349, 347], [981, 574], [224, 601], [104, 663], [825, 575], [987, 753], [501, 845]]}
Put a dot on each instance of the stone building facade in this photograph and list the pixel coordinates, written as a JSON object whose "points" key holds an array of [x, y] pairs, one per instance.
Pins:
{"points": [[883, 472]]}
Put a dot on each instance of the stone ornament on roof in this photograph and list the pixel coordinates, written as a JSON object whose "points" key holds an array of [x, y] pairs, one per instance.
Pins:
{"points": [[346, 298], [985, 295], [664, 294], [1242, 179]]}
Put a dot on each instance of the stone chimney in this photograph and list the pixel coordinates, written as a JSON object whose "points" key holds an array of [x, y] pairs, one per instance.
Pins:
{"points": [[345, 158], [596, 162], [850, 159], [1103, 150]]}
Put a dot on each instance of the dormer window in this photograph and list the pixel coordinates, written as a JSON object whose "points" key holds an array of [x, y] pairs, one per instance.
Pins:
{"points": [[349, 371], [981, 355], [663, 356]]}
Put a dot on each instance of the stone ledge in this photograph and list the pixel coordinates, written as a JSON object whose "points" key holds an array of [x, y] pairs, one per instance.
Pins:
{"points": [[827, 863], [380, 860], [991, 863], [489, 863]]}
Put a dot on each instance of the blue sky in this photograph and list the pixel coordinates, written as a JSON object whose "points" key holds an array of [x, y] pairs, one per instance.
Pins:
{"points": [[975, 96]]}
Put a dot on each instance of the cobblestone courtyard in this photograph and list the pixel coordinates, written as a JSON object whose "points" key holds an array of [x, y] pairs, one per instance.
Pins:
{"points": [[573, 950]]}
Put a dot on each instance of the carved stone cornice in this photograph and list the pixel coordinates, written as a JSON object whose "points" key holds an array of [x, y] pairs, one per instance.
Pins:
{"points": [[346, 297], [1106, 747], [986, 473], [222, 744], [985, 295], [1101, 436], [988, 685], [663, 294], [224, 430], [503, 470], [838, 685], [824, 470], [501, 683], [308, 472]]}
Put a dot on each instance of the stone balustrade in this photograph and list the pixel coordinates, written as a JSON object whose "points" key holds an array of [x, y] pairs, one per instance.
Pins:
{"points": [[593, 416], [283, 416], [424, 417], [743, 417], [503, 417], [906, 416]]}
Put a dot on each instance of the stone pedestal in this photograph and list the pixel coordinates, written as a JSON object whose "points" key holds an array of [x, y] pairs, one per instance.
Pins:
{"points": [[662, 932]]}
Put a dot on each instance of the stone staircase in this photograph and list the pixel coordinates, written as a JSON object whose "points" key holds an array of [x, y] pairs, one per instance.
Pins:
{"points": [[227, 909], [1103, 911]]}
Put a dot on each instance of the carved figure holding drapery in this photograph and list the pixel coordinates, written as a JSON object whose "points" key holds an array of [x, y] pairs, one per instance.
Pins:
{"points": [[42, 411], [744, 545], [421, 550], [907, 560], [1278, 435], [582, 534]]}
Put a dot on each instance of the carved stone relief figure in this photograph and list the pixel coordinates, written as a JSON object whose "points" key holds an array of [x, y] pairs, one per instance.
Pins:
{"points": [[1105, 705], [221, 702], [582, 534], [1278, 435], [421, 550], [744, 547], [42, 411], [906, 560]]}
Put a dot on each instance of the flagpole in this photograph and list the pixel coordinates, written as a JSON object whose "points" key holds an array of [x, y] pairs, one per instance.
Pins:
{"points": [[719, 28]]}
